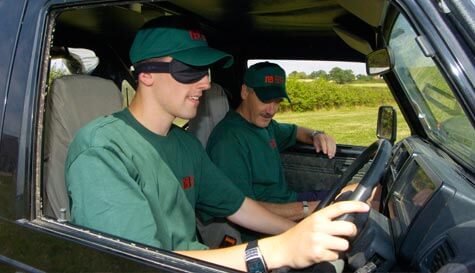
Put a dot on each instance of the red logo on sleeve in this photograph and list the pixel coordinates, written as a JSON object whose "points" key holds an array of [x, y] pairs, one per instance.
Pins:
{"points": [[188, 182]]}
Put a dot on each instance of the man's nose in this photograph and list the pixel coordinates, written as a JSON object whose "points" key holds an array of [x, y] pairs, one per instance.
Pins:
{"points": [[272, 107], [204, 84]]}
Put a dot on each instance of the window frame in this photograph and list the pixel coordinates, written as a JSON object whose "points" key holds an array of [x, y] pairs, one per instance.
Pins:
{"points": [[131, 252]]}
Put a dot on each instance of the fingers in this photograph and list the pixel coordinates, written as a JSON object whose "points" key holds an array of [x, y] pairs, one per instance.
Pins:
{"points": [[321, 143], [325, 243], [316, 243], [336, 228], [320, 252], [330, 242], [340, 208], [331, 147], [318, 238], [326, 144]]}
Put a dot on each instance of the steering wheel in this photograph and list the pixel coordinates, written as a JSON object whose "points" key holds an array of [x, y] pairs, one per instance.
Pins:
{"points": [[380, 152]]}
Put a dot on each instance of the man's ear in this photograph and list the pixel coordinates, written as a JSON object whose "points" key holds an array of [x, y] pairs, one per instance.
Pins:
{"points": [[244, 92], [145, 78]]}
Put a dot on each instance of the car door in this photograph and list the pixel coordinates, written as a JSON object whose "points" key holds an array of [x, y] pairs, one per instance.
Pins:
{"points": [[347, 111], [30, 240], [306, 170]]}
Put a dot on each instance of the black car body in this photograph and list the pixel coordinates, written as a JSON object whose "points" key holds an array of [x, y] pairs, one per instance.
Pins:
{"points": [[432, 77]]}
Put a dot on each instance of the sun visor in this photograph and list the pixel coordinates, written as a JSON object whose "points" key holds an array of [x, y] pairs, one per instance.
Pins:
{"points": [[354, 41], [370, 11]]}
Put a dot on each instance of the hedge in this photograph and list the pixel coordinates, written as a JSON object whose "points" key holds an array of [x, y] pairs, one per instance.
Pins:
{"points": [[322, 94]]}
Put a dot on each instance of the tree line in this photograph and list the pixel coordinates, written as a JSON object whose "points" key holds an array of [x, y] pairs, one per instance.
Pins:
{"points": [[338, 75]]}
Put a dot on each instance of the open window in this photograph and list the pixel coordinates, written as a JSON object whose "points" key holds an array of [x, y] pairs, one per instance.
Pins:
{"points": [[87, 75], [324, 94]]}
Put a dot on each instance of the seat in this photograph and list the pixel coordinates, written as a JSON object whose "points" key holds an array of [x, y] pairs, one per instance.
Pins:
{"points": [[72, 102], [212, 108]]}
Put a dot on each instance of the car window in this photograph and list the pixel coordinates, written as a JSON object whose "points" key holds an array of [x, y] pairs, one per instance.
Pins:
{"points": [[432, 98], [336, 97]]}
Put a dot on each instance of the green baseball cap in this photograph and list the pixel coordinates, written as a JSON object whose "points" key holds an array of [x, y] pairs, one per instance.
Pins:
{"points": [[178, 37], [268, 81]]}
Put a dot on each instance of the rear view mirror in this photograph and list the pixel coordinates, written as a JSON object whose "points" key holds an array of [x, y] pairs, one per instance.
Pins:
{"points": [[387, 123], [378, 62]]}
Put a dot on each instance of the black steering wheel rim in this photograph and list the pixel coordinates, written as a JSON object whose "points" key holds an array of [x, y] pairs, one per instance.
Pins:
{"points": [[380, 151]]}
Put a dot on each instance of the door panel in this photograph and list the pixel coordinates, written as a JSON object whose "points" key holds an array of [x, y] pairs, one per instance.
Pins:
{"points": [[306, 170], [24, 248]]}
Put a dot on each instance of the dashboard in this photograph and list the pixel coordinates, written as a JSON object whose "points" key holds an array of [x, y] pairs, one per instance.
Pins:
{"points": [[428, 201]]}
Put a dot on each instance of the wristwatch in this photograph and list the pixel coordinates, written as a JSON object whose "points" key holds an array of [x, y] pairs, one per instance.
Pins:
{"points": [[255, 262], [316, 132], [305, 208]]}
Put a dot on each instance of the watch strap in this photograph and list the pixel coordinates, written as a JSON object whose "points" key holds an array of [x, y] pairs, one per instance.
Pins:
{"points": [[255, 262], [316, 132], [306, 211]]}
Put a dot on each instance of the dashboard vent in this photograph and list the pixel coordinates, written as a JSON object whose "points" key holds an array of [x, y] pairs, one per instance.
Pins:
{"points": [[441, 256]]}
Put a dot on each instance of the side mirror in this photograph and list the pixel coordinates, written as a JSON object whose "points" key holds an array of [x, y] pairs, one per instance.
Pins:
{"points": [[387, 123], [378, 62]]}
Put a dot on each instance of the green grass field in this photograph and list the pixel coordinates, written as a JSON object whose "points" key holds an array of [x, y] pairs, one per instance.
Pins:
{"points": [[356, 126]]}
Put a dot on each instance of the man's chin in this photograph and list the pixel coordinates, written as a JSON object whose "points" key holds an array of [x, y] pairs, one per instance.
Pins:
{"points": [[189, 115], [264, 124]]}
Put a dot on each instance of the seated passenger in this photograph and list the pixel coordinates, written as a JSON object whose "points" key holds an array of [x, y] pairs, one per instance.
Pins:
{"points": [[135, 175], [246, 145]]}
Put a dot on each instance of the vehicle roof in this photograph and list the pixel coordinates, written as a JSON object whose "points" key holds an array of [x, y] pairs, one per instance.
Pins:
{"points": [[300, 29]]}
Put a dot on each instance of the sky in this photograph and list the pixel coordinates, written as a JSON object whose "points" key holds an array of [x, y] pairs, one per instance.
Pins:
{"points": [[310, 66]]}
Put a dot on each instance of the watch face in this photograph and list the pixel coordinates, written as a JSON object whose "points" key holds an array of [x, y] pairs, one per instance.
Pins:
{"points": [[254, 261], [255, 266]]}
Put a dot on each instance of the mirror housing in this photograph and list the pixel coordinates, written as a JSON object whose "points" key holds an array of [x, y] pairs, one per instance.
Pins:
{"points": [[378, 62], [387, 123]]}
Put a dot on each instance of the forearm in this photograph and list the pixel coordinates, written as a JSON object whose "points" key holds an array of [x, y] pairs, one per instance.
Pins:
{"points": [[315, 239], [234, 256], [230, 256], [293, 211], [304, 135], [262, 221], [322, 142]]}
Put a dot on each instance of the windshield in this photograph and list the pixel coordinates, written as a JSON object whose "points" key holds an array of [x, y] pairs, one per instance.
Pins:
{"points": [[438, 110]]}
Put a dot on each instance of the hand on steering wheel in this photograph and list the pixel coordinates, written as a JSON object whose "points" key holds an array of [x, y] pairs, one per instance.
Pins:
{"points": [[380, 152]]}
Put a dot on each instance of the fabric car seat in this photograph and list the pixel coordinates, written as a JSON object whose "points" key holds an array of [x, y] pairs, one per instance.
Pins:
{"points": [[212, 108], [72, 102]]}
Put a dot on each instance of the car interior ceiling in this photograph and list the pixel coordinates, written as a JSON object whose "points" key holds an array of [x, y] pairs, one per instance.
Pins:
{"points": [[257, 24], [322, 30]]}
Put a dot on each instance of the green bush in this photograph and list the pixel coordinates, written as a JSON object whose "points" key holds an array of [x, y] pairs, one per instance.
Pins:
{"points": [[322, 94]]}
